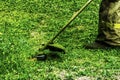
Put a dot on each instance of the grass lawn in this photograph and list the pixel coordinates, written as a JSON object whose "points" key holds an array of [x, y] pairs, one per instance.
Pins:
{"points": [[26, 24]]}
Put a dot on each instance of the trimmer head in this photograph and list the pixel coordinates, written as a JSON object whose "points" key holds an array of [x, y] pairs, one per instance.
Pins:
{"points": [[50, 49]]}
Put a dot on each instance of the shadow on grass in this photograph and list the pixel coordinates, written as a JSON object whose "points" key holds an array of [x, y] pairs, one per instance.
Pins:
{"points": [[55, 57]]}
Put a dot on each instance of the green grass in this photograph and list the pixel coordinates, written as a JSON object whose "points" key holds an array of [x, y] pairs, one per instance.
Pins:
{"points": [[26, 24]]}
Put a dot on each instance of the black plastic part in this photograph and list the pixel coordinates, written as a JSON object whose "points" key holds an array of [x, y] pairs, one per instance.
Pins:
{"points": [[41, 57], [53, 47]]}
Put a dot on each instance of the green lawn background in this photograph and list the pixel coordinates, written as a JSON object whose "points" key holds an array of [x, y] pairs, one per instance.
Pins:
{"points": [[26, 24]]}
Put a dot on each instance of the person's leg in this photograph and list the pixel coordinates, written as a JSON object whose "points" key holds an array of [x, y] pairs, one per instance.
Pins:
{"points": [[109, 25]]}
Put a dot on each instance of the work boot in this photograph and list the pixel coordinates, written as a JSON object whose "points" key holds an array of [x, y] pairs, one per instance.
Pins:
{"points": [[97, 45]]}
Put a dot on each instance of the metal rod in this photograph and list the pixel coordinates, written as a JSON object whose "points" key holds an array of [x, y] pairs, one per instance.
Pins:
{"points": [[66, 25]]}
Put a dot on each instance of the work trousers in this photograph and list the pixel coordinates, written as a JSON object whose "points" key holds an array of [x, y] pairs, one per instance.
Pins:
{"points": [[109, 22]]}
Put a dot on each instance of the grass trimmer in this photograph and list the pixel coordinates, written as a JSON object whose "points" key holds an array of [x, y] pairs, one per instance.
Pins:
{"points": [[56, 47]]}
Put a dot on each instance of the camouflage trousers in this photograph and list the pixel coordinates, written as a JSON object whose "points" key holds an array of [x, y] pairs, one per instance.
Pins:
{"points": [[109, 22]]}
